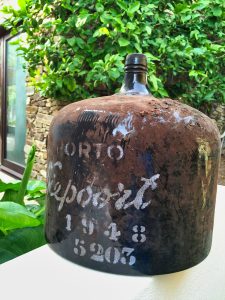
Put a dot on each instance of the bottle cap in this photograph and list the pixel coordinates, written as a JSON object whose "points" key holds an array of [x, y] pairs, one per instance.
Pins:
{"points": [[136, 61]]}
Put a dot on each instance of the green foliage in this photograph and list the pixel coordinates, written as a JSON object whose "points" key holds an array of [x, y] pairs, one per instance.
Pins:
{"points": [[26, 175], [75, 49], [14, 215], [21, 223], [20, 241]]}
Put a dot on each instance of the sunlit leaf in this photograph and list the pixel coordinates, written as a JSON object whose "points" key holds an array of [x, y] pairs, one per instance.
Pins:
{"points": [[217, 11], [133, 7], [123, 42], [14, 215]]}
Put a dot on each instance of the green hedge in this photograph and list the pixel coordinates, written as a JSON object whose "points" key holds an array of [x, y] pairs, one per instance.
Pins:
{"points": [[76, 49]]}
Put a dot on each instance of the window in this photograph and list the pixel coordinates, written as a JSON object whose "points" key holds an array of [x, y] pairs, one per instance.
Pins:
{"points": [[15, 104], [13, 113]]}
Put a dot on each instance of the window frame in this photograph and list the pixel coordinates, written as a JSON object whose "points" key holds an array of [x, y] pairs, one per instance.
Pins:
{"points": [[12, 168]]}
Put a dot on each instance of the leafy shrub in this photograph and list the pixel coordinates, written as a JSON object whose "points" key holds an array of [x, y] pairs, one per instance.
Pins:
{"points": [[75, 49], [21, 223]]}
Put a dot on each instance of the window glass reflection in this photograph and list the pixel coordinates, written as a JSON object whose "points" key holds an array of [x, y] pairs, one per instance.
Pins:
{"points": [[16, 103]]}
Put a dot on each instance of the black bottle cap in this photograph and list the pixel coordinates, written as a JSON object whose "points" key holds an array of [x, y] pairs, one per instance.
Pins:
{"points": [[136, 61]]}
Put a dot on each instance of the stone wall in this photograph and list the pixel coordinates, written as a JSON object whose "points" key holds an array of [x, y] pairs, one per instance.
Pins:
{"points": [[40, 112], [218, 114]]}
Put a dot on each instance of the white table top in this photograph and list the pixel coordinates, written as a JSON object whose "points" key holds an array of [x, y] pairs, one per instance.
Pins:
{"points": [[41, 274]]}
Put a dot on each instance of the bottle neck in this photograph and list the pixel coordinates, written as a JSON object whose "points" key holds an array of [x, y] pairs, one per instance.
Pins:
{"points": [[135, 83]]}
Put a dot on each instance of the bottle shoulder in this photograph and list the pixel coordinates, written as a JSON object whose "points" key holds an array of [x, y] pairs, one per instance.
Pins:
{"points": [[144, 110]]}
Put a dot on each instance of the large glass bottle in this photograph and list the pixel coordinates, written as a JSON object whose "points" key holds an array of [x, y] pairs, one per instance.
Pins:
{"points": [[132, 181]]}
